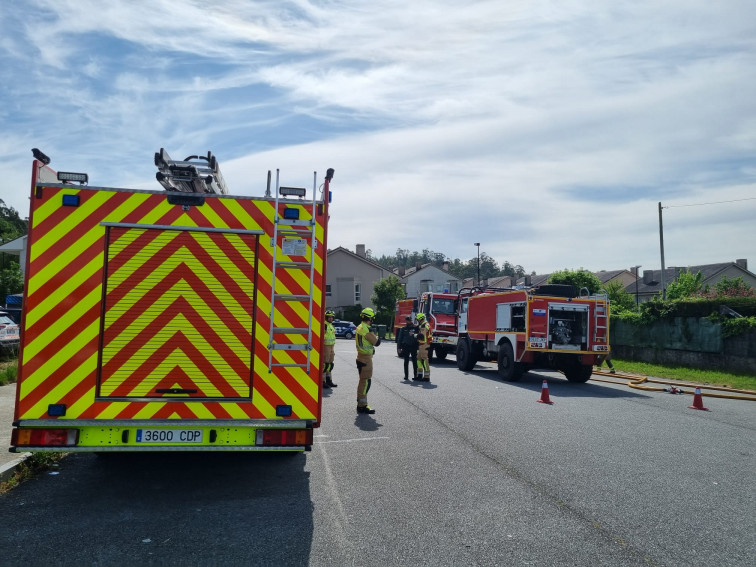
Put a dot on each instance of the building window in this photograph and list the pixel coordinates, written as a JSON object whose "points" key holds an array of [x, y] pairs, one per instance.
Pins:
{"points": [[328, 290], [357, 293]]}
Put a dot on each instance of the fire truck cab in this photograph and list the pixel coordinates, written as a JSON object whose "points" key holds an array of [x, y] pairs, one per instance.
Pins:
{"points": [[440, 310]]}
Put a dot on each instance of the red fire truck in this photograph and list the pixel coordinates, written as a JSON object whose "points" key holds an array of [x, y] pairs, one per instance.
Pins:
{"points": [[440, 310], [179, 320], [550, 326]]}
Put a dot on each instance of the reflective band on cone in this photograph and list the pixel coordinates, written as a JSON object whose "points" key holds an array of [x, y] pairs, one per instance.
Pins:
{"points": [[698, 401], [545, 394]]}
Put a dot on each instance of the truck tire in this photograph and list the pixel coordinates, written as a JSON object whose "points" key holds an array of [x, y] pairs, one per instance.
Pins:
{"points": [[465, 359], [440, 353], [509, 370], [579, 372]]}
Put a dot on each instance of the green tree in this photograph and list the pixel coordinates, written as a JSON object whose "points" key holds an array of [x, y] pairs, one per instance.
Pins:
{"points": [[686, 285], [11, 224], [733, 287], [10, 282], [11, 227], [619, 299], [385, 295], [579, 278]]}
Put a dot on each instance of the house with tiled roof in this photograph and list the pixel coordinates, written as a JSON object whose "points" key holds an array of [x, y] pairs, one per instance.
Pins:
{"points": [[625, 277], [650, 284], [533, 280], [427, 277], [351, 277]]}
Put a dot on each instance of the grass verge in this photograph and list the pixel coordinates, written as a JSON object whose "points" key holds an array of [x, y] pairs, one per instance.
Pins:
{"points": [[715, 377], [32, 466], [8, 372]]}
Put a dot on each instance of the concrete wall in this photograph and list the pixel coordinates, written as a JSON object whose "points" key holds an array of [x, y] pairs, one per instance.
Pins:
{"points": [[687, 341]]}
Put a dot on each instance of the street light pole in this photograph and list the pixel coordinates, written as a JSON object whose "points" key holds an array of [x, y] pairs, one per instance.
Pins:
{"points": [[637, 274], [478, 245]]}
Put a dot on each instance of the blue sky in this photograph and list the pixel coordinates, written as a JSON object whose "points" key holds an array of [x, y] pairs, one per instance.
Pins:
{"points": [[547, 131]]}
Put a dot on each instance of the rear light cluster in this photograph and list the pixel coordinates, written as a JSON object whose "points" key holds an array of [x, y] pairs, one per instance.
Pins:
{"points": [[44, 437], [284, 437]]}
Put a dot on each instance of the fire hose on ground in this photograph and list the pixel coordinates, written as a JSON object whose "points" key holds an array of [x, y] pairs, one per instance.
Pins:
{"points": [[638, 382]]}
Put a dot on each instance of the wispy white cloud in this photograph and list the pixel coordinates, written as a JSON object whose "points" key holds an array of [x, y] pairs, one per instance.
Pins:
{"points": [[547, 130]]}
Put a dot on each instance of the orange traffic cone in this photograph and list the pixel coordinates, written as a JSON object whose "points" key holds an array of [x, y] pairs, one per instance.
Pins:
{"points": [[545, 394], [698, 401]]}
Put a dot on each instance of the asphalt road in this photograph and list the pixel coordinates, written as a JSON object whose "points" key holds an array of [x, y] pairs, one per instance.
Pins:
{"points": [[466, 470]]}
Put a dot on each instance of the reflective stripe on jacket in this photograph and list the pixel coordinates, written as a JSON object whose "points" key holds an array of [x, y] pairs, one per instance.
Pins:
{"points": [[364, 346], [330, 334]]}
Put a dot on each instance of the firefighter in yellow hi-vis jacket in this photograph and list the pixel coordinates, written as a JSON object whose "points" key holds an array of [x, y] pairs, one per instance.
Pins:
{"points": [[366, 341], [329, 342], [424, 338]]}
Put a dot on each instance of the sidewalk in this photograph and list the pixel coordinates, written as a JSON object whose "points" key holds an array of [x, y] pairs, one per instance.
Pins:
{"points": [[7, 404]]}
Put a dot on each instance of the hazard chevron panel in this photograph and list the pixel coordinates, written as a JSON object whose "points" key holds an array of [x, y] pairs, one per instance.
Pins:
{"points": [[127, 294], [177, 313]]}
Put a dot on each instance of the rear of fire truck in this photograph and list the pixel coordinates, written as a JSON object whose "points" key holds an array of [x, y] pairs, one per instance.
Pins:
{"points": [[181, 319], [550, 327]]}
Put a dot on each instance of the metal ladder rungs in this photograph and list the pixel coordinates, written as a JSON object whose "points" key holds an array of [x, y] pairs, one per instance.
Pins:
{"points": [[282, 297], [289, 347], [298, 233], [279, 364], [300, 265], [290, 330], [293, 222]]}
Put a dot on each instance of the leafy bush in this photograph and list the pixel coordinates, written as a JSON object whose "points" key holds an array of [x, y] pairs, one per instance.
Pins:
{"points": [[8, 373], [578, 278], [737, 326], [696, 307]]}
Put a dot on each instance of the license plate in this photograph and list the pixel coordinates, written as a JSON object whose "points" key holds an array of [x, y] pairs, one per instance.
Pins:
{"points": [[169, 436]]}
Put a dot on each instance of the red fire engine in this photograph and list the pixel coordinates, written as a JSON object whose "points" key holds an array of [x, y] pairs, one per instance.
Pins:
{"points": [[550, 326], [180, 320], [440, 310]]}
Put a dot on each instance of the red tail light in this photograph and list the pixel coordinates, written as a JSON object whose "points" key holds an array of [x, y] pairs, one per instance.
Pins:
{"points": [[284, 437], [44, 437]]}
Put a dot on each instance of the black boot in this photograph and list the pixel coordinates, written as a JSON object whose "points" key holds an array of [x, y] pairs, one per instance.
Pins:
{"points": [[365, 409], [330, 384]]}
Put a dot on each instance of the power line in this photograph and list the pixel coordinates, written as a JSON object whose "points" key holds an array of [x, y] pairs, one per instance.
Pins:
{"points": [[714, 203]]}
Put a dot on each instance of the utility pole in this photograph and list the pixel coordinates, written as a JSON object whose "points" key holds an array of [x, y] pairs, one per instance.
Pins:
{"points": [[478, 245], [661, 244], [637, 274]]}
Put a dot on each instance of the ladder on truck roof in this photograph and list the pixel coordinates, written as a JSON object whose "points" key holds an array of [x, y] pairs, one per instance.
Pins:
{"points": [[296, 233], [600, 316], [195, 174]]}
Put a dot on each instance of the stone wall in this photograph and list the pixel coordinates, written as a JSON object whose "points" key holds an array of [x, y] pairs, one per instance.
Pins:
{"points": [[687, 341]]}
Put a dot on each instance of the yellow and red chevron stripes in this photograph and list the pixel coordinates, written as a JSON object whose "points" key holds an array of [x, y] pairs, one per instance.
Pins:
{"points": [[115, 313], [178, 313]]}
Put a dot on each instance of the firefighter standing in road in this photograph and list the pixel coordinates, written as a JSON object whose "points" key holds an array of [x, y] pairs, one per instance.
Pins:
{"points": [[366, 341], [424, 339], [408, 347], [329, 341]]}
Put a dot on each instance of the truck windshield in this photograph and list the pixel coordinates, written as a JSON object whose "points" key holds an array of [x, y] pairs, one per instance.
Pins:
{"points": [[443, 306]]}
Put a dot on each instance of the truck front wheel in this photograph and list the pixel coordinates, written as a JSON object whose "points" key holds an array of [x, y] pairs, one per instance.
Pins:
{"points": [[465, 359], [440, 353], [509, 370]]}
